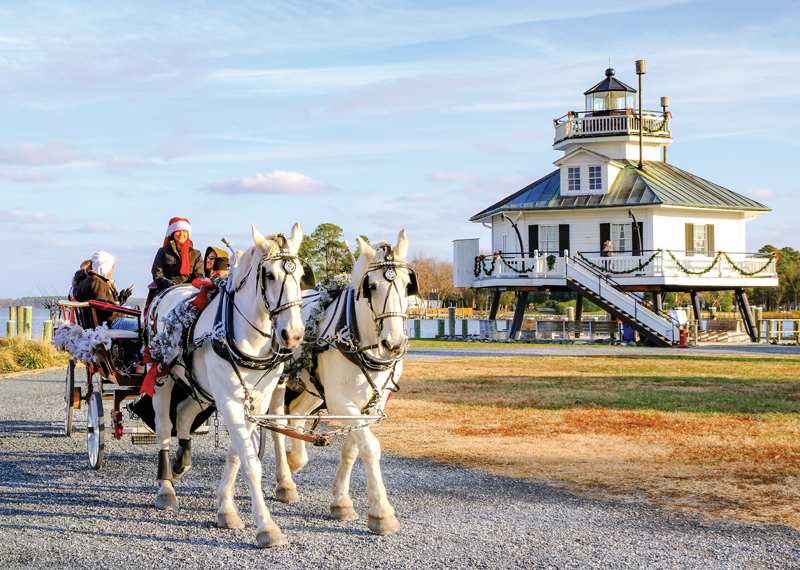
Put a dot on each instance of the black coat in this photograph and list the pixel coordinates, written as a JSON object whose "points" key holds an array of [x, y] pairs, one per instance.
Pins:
{"points": [[167, 266], [97, 288]]}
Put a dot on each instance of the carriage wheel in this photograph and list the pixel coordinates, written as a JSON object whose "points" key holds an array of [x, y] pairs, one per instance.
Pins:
{"points": [[95, 430], [68, 398], [259, 439]]}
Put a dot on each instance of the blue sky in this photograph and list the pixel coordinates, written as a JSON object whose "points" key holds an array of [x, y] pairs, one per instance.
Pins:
{"points": [[375, 116]]}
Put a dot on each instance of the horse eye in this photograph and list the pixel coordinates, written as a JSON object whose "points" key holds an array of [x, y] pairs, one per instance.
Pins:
{"points": [[270, 276]]}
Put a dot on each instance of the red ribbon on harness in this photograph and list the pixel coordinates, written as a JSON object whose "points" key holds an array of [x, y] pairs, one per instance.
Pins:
{"points": [[201, 301], [156, 371]]}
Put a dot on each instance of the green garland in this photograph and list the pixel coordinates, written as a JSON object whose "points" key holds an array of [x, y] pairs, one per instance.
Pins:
{"points": [[658, 129], [703, 272], [749, 273], [639, 267], [551, 262]]}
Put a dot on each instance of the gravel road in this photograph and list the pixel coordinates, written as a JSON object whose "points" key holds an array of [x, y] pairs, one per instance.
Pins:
{"points": [[57, 513]]}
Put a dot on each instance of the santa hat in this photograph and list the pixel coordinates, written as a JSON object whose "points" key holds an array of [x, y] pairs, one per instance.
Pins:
{"points": [[102, 263], [175, 225]]}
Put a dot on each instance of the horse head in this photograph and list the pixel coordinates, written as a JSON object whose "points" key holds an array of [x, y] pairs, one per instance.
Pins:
{"points": [[277, 275], [383, 284]]}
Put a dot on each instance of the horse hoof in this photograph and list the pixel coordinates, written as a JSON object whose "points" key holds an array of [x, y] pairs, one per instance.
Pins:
{"points": [[287, 496], [344, 514], [229, 520], [167, 502], [386, 525], [271, 539]]}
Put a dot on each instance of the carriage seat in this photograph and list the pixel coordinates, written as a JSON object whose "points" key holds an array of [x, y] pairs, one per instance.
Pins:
{"points": [[87, 316]]}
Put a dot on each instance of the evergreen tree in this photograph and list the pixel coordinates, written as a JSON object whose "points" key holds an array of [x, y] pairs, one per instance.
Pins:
{"points": [[327, 253]]}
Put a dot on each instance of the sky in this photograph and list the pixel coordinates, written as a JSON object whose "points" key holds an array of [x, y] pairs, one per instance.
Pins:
{"points": [[375, 116]]}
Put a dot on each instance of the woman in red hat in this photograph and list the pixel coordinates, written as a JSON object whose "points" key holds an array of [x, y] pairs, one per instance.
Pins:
{"points": [[177, 262]]}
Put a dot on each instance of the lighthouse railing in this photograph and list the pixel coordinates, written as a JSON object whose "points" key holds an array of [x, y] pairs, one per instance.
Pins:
{"points": [[588, 124]]}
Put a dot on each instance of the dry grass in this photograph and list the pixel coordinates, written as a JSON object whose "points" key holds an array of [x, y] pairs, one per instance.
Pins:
{"points": [[743, 465], [18, 354]]}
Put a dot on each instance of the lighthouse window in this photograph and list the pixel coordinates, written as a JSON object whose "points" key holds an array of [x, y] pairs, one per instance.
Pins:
{"points": [[595, 178], [621, 238], [548, 239], [574, 178]]}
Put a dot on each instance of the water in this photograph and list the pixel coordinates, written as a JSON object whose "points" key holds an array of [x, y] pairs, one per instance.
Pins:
{"points": [[39, 317], [429, 327]]}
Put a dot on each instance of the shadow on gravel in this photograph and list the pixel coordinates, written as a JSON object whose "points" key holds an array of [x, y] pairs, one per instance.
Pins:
{"points": [[21, 428]]}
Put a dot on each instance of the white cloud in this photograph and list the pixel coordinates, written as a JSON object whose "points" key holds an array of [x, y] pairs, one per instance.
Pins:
{"points": [[277, 182], [24, 175], [97, 227], [58, 152], [417, 197], [23, 217], [132, 163]]}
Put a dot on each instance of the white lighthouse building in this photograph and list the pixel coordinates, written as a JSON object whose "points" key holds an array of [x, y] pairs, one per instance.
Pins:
{"points": [[615, 219]]}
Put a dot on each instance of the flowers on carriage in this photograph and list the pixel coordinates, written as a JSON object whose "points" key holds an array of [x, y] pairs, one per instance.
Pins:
{"points": [[80, 343]]}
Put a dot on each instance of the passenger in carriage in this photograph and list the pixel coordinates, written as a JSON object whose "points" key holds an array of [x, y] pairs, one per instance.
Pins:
{"points": [[216, 263], [98, 286], [177, 261], [79, 276]]}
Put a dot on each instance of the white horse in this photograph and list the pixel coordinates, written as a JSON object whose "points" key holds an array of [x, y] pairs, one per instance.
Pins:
{"points": [[245, 334], [357, 360]]}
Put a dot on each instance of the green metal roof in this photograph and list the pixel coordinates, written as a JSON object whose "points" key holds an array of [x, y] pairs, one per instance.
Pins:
{"points": [[657, 183]]}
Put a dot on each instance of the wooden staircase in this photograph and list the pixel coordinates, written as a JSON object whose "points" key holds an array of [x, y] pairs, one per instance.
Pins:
{"points": [[607, 294]]}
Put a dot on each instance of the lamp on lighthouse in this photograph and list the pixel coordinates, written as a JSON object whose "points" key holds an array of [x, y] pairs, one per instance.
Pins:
{"points": [[610, 96]]}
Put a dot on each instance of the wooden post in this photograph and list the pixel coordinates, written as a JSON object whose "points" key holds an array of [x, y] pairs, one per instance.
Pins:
{"points": [[464, 328], [495, 305], [439, 327], [47, 331], [27, 315], [757, 316], [796, 330], [11, 313], [451, 321], [417, 328], [11, 329], [18, 320]]}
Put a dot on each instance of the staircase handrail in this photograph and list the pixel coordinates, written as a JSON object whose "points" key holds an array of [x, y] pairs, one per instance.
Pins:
{"points": [[636, 299]]}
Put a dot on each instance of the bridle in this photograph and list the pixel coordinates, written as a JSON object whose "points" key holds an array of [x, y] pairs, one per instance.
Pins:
{"points": [[389, 267]]}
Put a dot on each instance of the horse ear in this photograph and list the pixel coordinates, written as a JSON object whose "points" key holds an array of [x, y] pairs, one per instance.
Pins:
{"points": [[401, 248], [365, 249], [297, 237], [259, 240]]}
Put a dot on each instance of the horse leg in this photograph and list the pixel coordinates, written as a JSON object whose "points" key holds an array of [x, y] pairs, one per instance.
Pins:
{"points": [[342, 505], [285, 488], [227, 514], [297, 456], [166, 499], [380, 514], [267, 533], [187, 411]]}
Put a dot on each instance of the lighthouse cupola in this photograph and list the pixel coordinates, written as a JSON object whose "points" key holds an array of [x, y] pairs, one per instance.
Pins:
{"points": [[610, 96]]}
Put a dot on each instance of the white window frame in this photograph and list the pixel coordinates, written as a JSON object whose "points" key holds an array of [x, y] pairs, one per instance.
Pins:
{"points": [[622, 238], [596, 181], [573, 178], [548, 239], [700, 239]]}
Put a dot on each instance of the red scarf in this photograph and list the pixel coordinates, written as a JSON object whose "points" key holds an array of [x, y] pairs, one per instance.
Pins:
{"points": [[184, 249]]}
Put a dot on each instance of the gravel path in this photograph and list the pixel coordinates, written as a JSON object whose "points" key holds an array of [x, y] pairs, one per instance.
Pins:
{"points": [[57, 513]]}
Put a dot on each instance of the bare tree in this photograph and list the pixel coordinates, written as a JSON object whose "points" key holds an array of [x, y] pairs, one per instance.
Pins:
{"points": [[434, 275]]}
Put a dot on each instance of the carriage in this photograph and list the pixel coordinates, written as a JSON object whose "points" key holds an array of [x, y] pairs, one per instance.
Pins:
{"points": [[114, 379]]}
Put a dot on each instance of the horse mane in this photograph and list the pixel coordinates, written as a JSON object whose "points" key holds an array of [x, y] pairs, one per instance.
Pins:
{"points": [[384, 251], [275, 242]]}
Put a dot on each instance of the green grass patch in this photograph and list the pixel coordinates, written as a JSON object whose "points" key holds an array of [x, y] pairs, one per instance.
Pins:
{"points": [[20, 354], [728, 385]]}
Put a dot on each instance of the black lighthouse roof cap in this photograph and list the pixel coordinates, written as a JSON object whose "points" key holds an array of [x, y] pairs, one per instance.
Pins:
{"points": [[610, 84]]}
